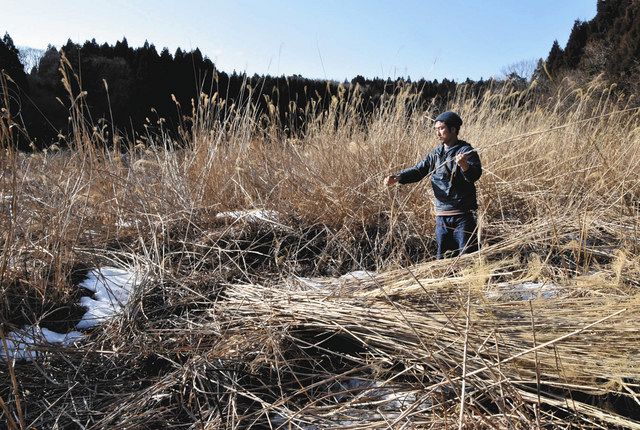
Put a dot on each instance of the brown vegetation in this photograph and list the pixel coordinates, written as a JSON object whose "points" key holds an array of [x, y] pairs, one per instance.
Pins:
{"points": [[223, 334]]}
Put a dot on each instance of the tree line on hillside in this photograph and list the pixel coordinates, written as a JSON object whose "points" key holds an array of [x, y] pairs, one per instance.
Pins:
{"points": [[130, 89], [133, 87], [608, 44]]}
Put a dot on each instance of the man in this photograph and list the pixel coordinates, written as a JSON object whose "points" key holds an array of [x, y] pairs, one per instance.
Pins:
{"points": [[454, 167]]}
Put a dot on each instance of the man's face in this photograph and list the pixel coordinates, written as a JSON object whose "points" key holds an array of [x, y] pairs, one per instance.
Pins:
{"points": [[443, 133]]}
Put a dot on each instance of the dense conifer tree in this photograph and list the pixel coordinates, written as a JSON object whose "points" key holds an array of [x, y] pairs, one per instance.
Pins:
{"points": [[609, 43], [10, 62]]}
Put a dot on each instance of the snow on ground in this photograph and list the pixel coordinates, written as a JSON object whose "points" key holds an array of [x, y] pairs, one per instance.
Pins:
{"points": [[357, 396], [23, 344], [121, 223], [389, 398], [111, 287], [523, 292], [254, 216], [251, 215], [360, 275]]}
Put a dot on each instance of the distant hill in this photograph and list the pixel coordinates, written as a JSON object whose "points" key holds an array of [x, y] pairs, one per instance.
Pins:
{"points": [[609, 44]]}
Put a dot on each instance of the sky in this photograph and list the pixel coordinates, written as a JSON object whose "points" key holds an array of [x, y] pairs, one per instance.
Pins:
{"points": [[319, 39]]}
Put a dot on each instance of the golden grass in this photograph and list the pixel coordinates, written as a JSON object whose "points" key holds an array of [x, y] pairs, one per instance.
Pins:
{"points": [[223, 336]]}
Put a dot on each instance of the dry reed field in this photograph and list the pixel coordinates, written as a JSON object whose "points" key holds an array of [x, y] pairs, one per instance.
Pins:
{"points": [[281, 285]]}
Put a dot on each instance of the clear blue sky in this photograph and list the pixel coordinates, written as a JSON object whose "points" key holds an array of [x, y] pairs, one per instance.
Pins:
{"points": [[334, 39]]}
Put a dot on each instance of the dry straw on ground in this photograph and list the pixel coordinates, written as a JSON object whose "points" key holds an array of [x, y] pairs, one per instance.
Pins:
{"points": [[225, 332]]}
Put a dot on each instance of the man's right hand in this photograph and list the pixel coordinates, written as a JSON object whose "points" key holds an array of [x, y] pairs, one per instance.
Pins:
{"points": [[390, 180]]}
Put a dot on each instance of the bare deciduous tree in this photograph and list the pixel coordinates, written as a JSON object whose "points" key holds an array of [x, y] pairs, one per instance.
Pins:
{"points": [[523, 69]]}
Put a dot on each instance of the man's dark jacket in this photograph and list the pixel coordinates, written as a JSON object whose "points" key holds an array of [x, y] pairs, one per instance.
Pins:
{"points": [[453, 189]]}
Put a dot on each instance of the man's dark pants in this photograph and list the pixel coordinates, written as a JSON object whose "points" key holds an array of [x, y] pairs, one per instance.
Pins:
{"points": [[456, 234]]}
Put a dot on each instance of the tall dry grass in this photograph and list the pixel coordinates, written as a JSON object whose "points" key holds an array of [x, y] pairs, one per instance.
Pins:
{"points": [[223, 337]]}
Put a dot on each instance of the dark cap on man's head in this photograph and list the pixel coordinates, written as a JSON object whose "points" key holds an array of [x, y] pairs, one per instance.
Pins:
{"points": [[452, 119]]}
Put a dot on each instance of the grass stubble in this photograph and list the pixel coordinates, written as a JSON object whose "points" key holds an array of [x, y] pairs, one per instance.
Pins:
{"points": [[225, 333]]}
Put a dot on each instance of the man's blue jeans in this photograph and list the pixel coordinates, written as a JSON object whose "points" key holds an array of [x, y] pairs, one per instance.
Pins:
{"points": [[456, 234]]}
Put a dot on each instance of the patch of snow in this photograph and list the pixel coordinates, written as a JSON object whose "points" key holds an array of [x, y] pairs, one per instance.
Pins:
{"points": [[126, 224], [361, 275], [23, 344], [388, 398], [524, 291], [112, 288], [60, 338], [251, 215], [363, 399]]}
